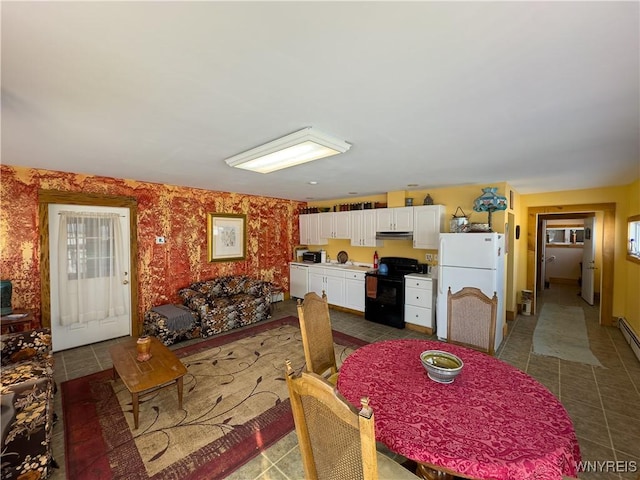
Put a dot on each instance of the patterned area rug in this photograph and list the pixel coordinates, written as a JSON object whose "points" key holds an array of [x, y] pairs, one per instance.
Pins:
{"points": [[235, 405], [561, 332]]}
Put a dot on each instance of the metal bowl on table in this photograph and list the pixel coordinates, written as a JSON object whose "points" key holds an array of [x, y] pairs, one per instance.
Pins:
{"points": [[441, 367]]}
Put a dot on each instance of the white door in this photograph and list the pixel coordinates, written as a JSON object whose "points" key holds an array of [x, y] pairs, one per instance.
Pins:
{"points": [[104, 267], [403, 219], [304, 229], [588, 259], [316, 280], [299, 282], [477, 250], [542, 279], [335, 288], [326, 222], [369, 229], [384, 219]]}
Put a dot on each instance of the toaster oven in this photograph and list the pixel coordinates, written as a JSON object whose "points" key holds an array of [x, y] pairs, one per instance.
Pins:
{"points": [[311, 257]]}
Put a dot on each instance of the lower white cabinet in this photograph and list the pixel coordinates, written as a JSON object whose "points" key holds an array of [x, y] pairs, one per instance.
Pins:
{"points": [[354, 292], [419, 302], [344, 287], [329, 280]]}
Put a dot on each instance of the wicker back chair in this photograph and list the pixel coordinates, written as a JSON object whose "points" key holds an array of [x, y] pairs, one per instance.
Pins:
{"points": [[317, 336], [471, 319], [335, 440]]}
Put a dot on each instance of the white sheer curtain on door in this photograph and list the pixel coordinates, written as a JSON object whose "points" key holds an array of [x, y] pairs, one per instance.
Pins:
{"points": [[90, 267]]}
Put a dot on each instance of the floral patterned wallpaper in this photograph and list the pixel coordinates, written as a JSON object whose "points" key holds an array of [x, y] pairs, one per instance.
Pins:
{"points": [[177, 213]]}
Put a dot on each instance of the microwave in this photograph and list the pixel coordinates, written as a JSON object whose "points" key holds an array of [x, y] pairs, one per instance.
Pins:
{"points": [[311, 257]]}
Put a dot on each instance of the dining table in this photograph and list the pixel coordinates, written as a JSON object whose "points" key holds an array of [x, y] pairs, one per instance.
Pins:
{"points": [[492, 422]]}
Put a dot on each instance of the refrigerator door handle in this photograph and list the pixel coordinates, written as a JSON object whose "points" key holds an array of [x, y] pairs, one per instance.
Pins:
{"points": [[440, 259]]}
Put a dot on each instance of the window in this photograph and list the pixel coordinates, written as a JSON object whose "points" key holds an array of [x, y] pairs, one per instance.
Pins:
{"points": [[90, 247], [565, 235], [633, 238]]}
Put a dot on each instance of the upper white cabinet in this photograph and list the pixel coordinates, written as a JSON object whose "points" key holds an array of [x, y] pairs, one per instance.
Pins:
{"points": [[335, 225], [310, 230], [398, 219], [428, 222], [363, 228]]}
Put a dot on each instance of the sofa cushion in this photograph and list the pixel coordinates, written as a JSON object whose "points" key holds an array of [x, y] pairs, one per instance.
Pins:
{"points": [[7, 414], [25, 371], [203, 288], [23, 345], [218, 287]]}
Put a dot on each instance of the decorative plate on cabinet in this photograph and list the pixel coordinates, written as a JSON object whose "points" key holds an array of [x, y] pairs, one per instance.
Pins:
{"points": [[342, 256]]}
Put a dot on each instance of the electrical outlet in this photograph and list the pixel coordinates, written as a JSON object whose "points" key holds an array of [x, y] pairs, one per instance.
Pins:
{"points": [[160, 241], [428, 257]]}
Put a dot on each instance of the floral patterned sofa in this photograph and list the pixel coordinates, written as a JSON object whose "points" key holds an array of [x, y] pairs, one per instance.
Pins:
{"points": [[27, 405], [229, 302], [217, 305]]}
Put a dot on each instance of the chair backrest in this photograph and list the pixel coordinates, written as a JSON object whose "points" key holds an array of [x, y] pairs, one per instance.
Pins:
{"points": [[471, 319], [335, 440], [317, 336]]}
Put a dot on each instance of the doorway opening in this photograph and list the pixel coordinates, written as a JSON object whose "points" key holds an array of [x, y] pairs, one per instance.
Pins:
{"points": [[536, 242], [47, 197]]}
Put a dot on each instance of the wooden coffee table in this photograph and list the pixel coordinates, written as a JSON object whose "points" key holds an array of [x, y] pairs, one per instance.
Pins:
{"points": [[141, 378]]}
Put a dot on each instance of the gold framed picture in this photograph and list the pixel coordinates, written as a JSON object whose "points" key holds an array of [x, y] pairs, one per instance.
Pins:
{"points": [[226, 237]]}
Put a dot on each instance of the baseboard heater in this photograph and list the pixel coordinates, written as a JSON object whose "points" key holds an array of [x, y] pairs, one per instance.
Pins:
{"points": [[630, 336]]}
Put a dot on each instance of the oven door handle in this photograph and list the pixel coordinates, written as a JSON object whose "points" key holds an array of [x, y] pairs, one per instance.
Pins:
{"points": [[395, 281]]}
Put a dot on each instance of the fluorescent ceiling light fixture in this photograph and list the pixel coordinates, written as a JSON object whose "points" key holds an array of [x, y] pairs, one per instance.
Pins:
{"points": [[299, 147]]}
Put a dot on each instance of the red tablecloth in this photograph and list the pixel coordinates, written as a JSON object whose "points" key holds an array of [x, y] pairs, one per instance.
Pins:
{"points": [[493, 422]]}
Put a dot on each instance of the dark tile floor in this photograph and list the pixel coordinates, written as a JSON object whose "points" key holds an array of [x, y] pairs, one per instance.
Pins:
{"points": [[604, 403]]}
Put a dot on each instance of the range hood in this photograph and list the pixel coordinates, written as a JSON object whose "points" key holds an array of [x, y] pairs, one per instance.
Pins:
{"points": [[394, 235]]}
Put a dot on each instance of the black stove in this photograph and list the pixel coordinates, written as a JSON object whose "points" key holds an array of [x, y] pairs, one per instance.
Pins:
{"points": [[396, 267], [384, 301]]}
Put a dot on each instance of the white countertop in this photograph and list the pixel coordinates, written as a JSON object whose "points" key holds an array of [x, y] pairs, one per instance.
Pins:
{"points": [[430, 276], [358, 267]]}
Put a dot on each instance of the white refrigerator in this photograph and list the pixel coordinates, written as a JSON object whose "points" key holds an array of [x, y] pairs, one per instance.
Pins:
{"points": [[470, 260]]}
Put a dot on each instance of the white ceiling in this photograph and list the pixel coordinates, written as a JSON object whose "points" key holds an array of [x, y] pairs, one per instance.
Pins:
{"points": [[543, 95]]}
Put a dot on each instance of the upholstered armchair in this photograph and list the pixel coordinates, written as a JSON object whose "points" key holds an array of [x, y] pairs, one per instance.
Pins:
{"points": [[27, 405]]}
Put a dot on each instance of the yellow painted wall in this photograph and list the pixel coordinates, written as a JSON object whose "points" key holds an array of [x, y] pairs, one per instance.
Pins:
{"points": [[452, 197], [626, 301], [625, 276], [631, 270]]}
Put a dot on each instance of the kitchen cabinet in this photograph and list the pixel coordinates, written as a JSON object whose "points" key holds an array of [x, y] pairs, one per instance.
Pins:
{"points": [[335, 225], [428, 223], [399, 219], [363, 228], [298, 280], [310, 230], [328, 280], [419, 302], [354, 291]]}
